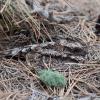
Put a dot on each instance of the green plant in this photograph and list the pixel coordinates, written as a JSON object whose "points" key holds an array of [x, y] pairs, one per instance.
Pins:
{"points": [[52, 78]]}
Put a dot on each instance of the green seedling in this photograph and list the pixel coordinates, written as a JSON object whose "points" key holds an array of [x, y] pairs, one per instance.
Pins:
{"points": [[52, 78]]}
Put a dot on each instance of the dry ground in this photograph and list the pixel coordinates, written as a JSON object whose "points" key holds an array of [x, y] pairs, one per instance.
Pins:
{"points": [[18, 28]]}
